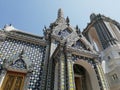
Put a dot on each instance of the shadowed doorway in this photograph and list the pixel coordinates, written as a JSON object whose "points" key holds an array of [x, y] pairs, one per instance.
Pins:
{"points": [[81, 77]]}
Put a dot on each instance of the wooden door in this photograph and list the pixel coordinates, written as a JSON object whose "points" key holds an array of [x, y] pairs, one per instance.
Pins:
{"points": [[13, 81], [78, 83]]}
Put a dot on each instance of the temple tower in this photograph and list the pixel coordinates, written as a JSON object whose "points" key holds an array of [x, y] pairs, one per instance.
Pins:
{"points": [[73, 64], [104, 35]]}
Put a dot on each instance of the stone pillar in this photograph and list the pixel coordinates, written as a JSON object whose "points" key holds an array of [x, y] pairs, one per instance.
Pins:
{"points": [[43, 82], [70, 71], [2, 76], [62, 79], [60, 76], [56, 78], [60, 72], [102, 77]]}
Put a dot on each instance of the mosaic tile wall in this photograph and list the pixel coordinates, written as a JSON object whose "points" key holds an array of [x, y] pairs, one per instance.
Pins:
{"points": [[36, 53]]}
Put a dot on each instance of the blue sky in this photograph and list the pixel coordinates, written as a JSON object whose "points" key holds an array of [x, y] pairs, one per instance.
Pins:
{"points": [[31, 15]]}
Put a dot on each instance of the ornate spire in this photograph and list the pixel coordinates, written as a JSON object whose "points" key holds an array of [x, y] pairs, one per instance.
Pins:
{"points": [[78, 30], [67, 20], [60, 13]]}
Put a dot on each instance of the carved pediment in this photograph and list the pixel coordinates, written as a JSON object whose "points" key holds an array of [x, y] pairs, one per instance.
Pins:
{"points": [[20, 63], [64, 33], [79, 45]]}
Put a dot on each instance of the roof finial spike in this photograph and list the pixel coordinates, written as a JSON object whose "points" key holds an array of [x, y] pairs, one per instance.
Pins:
{"points": [[67, 20], [60, 13]]}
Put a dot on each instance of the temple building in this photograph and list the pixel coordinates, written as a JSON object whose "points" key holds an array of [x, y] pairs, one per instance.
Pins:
{"points": [[64, 58], [104, 35]]}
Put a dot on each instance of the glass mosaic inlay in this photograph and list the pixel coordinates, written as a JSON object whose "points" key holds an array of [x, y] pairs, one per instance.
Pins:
{"points": [[34, 52]]}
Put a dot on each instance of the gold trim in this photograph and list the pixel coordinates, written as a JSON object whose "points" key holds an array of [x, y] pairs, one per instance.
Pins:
{"points": [[13, 81]]}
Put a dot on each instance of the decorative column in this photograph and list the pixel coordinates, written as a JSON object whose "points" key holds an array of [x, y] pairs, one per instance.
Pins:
{"points": [[70, 71], [3, 71], [43, 82], [102, 77], [56, 78], [2, 76], [62, 72], [61, 69]]}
